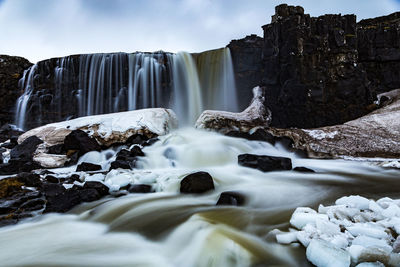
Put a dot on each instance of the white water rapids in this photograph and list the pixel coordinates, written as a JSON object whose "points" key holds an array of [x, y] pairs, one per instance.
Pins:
{"points": [[167, 228]]}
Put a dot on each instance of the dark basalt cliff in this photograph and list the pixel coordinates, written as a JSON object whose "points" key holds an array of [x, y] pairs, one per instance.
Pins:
{"points": [[11, 71], [320, 71], [248, 65]]}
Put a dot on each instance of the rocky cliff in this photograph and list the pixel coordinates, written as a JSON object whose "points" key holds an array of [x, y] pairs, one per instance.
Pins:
{"points": [[11, 70], [320, 71]]}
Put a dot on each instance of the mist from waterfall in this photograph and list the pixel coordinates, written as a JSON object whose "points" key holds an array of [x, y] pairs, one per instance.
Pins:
{"points": [[93, 84]]}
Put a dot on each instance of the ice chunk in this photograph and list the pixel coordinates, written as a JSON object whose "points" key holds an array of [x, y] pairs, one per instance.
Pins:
{"points": [[367, 241], [301, 218], [371, 264], [392, 211], [324, 254], [367, 230], [354, 201], [286, 238], [327, 227]]}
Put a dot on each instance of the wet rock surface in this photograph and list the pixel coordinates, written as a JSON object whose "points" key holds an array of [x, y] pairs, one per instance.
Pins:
{"points": [[86, 166], [265, 163], [196, 183], [231, 198]]}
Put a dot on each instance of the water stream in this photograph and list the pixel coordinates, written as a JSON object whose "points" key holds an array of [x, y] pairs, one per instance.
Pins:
{"points": [[167, 228]]}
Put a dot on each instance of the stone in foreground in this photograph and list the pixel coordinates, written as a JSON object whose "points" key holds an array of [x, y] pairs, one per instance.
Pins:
{"points": [[196, 183], [265, 163]]}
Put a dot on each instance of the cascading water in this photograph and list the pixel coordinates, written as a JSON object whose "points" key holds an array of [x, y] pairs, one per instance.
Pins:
{"points": [[76, 86], [167, 228]]}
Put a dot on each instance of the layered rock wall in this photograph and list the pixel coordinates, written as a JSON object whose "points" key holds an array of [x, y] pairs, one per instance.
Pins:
{"points": [[319, 71], [311, 69], [11, 70]]}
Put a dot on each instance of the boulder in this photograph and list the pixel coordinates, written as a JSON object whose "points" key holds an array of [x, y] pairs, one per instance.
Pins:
{"points": [[198, 182], [140, 188], [80, 141], [253, 116], [265, 163], [101, 188], [302, 169], [231, 198], [26, 148], [121, 164], [86, 166], [374, 135]]}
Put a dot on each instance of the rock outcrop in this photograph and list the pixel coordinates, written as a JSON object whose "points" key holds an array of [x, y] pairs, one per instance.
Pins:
{"points": [[256, 114], [374, 135], [106, 130], [310, 69], [11, 71]]}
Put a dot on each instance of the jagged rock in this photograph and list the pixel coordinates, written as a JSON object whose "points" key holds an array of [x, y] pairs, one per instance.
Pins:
{"points": [[198, 182], [120, 164], [231, 198], [25, 149], [80, 141], [11, 71], [253, 116], [302, 169], [86, 166], [140, 188], [265, 163], [374, 135], [8, 131], [102, 189]]}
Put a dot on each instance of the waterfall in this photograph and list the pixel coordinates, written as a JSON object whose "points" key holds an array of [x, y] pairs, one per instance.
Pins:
{"points": [[91, 84], [26, 82]]}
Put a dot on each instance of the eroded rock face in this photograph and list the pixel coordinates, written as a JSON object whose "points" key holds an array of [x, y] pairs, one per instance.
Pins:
{"points": [[310, 69], [11, 70], [222, 121], [374, 135]]}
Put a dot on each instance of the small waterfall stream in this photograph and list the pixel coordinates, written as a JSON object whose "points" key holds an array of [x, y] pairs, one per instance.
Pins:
{"points": [[90, 84]]}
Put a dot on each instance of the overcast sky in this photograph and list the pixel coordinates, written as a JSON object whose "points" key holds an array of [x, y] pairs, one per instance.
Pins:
{"points": [[40, 29]]}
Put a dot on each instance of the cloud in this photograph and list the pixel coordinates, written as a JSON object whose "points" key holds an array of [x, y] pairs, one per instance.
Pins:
{"points": [[45, 28]]}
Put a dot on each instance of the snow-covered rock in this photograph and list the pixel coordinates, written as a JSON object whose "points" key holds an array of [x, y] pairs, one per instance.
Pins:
{"points": [[106, 129], [253, 116], [374, 135], [354, 228]]}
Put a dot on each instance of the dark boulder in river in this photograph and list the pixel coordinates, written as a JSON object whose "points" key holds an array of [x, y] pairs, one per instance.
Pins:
{"points": [[265, 163], [198, 182], [80, 141], [231, 198]]}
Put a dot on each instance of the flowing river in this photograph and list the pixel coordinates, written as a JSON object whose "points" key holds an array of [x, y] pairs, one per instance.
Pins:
{"points": [[167, 228]]}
